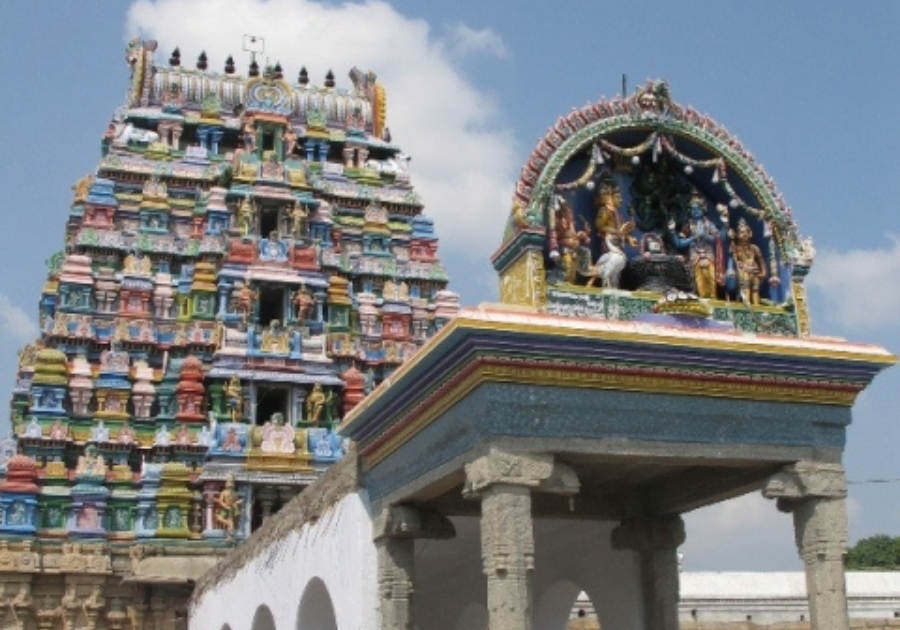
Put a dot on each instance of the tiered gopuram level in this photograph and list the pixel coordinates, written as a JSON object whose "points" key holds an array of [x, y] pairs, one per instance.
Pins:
{"points": [[640, 209], [247, 262]]}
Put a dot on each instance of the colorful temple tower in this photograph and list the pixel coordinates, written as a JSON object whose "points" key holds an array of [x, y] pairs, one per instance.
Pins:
{"points": [[247, 260]]}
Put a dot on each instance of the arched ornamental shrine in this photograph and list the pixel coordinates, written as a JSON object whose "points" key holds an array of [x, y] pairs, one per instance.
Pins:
{"points": [[654, 199], [652, 355]]}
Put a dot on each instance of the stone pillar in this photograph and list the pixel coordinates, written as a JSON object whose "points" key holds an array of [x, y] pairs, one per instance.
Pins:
{"points": [[656, 539], [815, 493], [395, 532], [503, 482]]}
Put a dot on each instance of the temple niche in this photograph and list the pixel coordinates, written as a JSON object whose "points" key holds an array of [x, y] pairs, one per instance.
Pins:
{"points": [[641, 209]]}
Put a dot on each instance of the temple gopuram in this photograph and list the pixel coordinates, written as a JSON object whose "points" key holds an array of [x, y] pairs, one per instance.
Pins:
{"points": [[248, 260]]}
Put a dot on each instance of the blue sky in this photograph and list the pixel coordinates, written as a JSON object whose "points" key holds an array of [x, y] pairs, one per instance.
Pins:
{"points": [[808, 87]]}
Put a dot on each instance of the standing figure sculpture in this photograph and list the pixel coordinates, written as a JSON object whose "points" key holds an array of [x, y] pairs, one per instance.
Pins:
{"points": [[570, 239], [298, 221], [234, 398], [244, 299], [316, 403], [290, 141], [748, 263], [609, 221], [228, 506], [245, 217], [304, 302], [701, 237]]}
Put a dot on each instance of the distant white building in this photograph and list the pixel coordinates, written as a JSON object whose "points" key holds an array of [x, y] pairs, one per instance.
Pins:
{"points": [[766, 598]]}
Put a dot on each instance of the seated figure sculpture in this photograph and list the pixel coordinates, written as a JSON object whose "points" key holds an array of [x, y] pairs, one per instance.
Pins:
{"points": [[276, 437]]}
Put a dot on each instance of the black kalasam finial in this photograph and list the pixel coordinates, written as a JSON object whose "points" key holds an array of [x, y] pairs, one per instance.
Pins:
{"points": [[229, 65], [303, 77], [329, 79], [175, 59], [202, 61]]}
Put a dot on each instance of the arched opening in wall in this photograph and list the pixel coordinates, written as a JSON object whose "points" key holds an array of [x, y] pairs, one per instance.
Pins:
{"points": [[316, 612], [263, 619], [564, 605]]}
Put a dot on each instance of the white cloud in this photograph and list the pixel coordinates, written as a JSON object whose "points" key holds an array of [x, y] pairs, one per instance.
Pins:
{"points": [[462, 155], [15, 324], [466, 40], [859, 286], [746, 533]]}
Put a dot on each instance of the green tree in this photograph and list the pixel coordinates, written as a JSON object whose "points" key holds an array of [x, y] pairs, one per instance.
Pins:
{"points": [[879, 552]]}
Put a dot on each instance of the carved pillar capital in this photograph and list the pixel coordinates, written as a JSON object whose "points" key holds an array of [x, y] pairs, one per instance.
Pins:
{"points": [[804, 480], [532, 470]]}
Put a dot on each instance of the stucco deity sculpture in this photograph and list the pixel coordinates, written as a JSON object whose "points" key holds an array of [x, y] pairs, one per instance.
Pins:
{"points": [[316, 403], [244, 298], [91, 463], [289, 137], [304, 302], [701, 236], [298, 221], [570, 238], [248, 134], [608, 201], [228, 508], [245, 216], [234, 398], [749, 263]]}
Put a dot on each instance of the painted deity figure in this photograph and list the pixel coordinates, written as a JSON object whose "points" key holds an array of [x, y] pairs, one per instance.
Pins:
{"points": [[248, 132], [91, 463], [304, 302], [608, 201], [234, 398], [88, 517], [245, 217], [298, 221], [227, 505], [276, 437], [570, 238], [244, 298], [316, 403], [701, 236], [290, 141], [748, 263], [271, 248], [232, 441]]}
